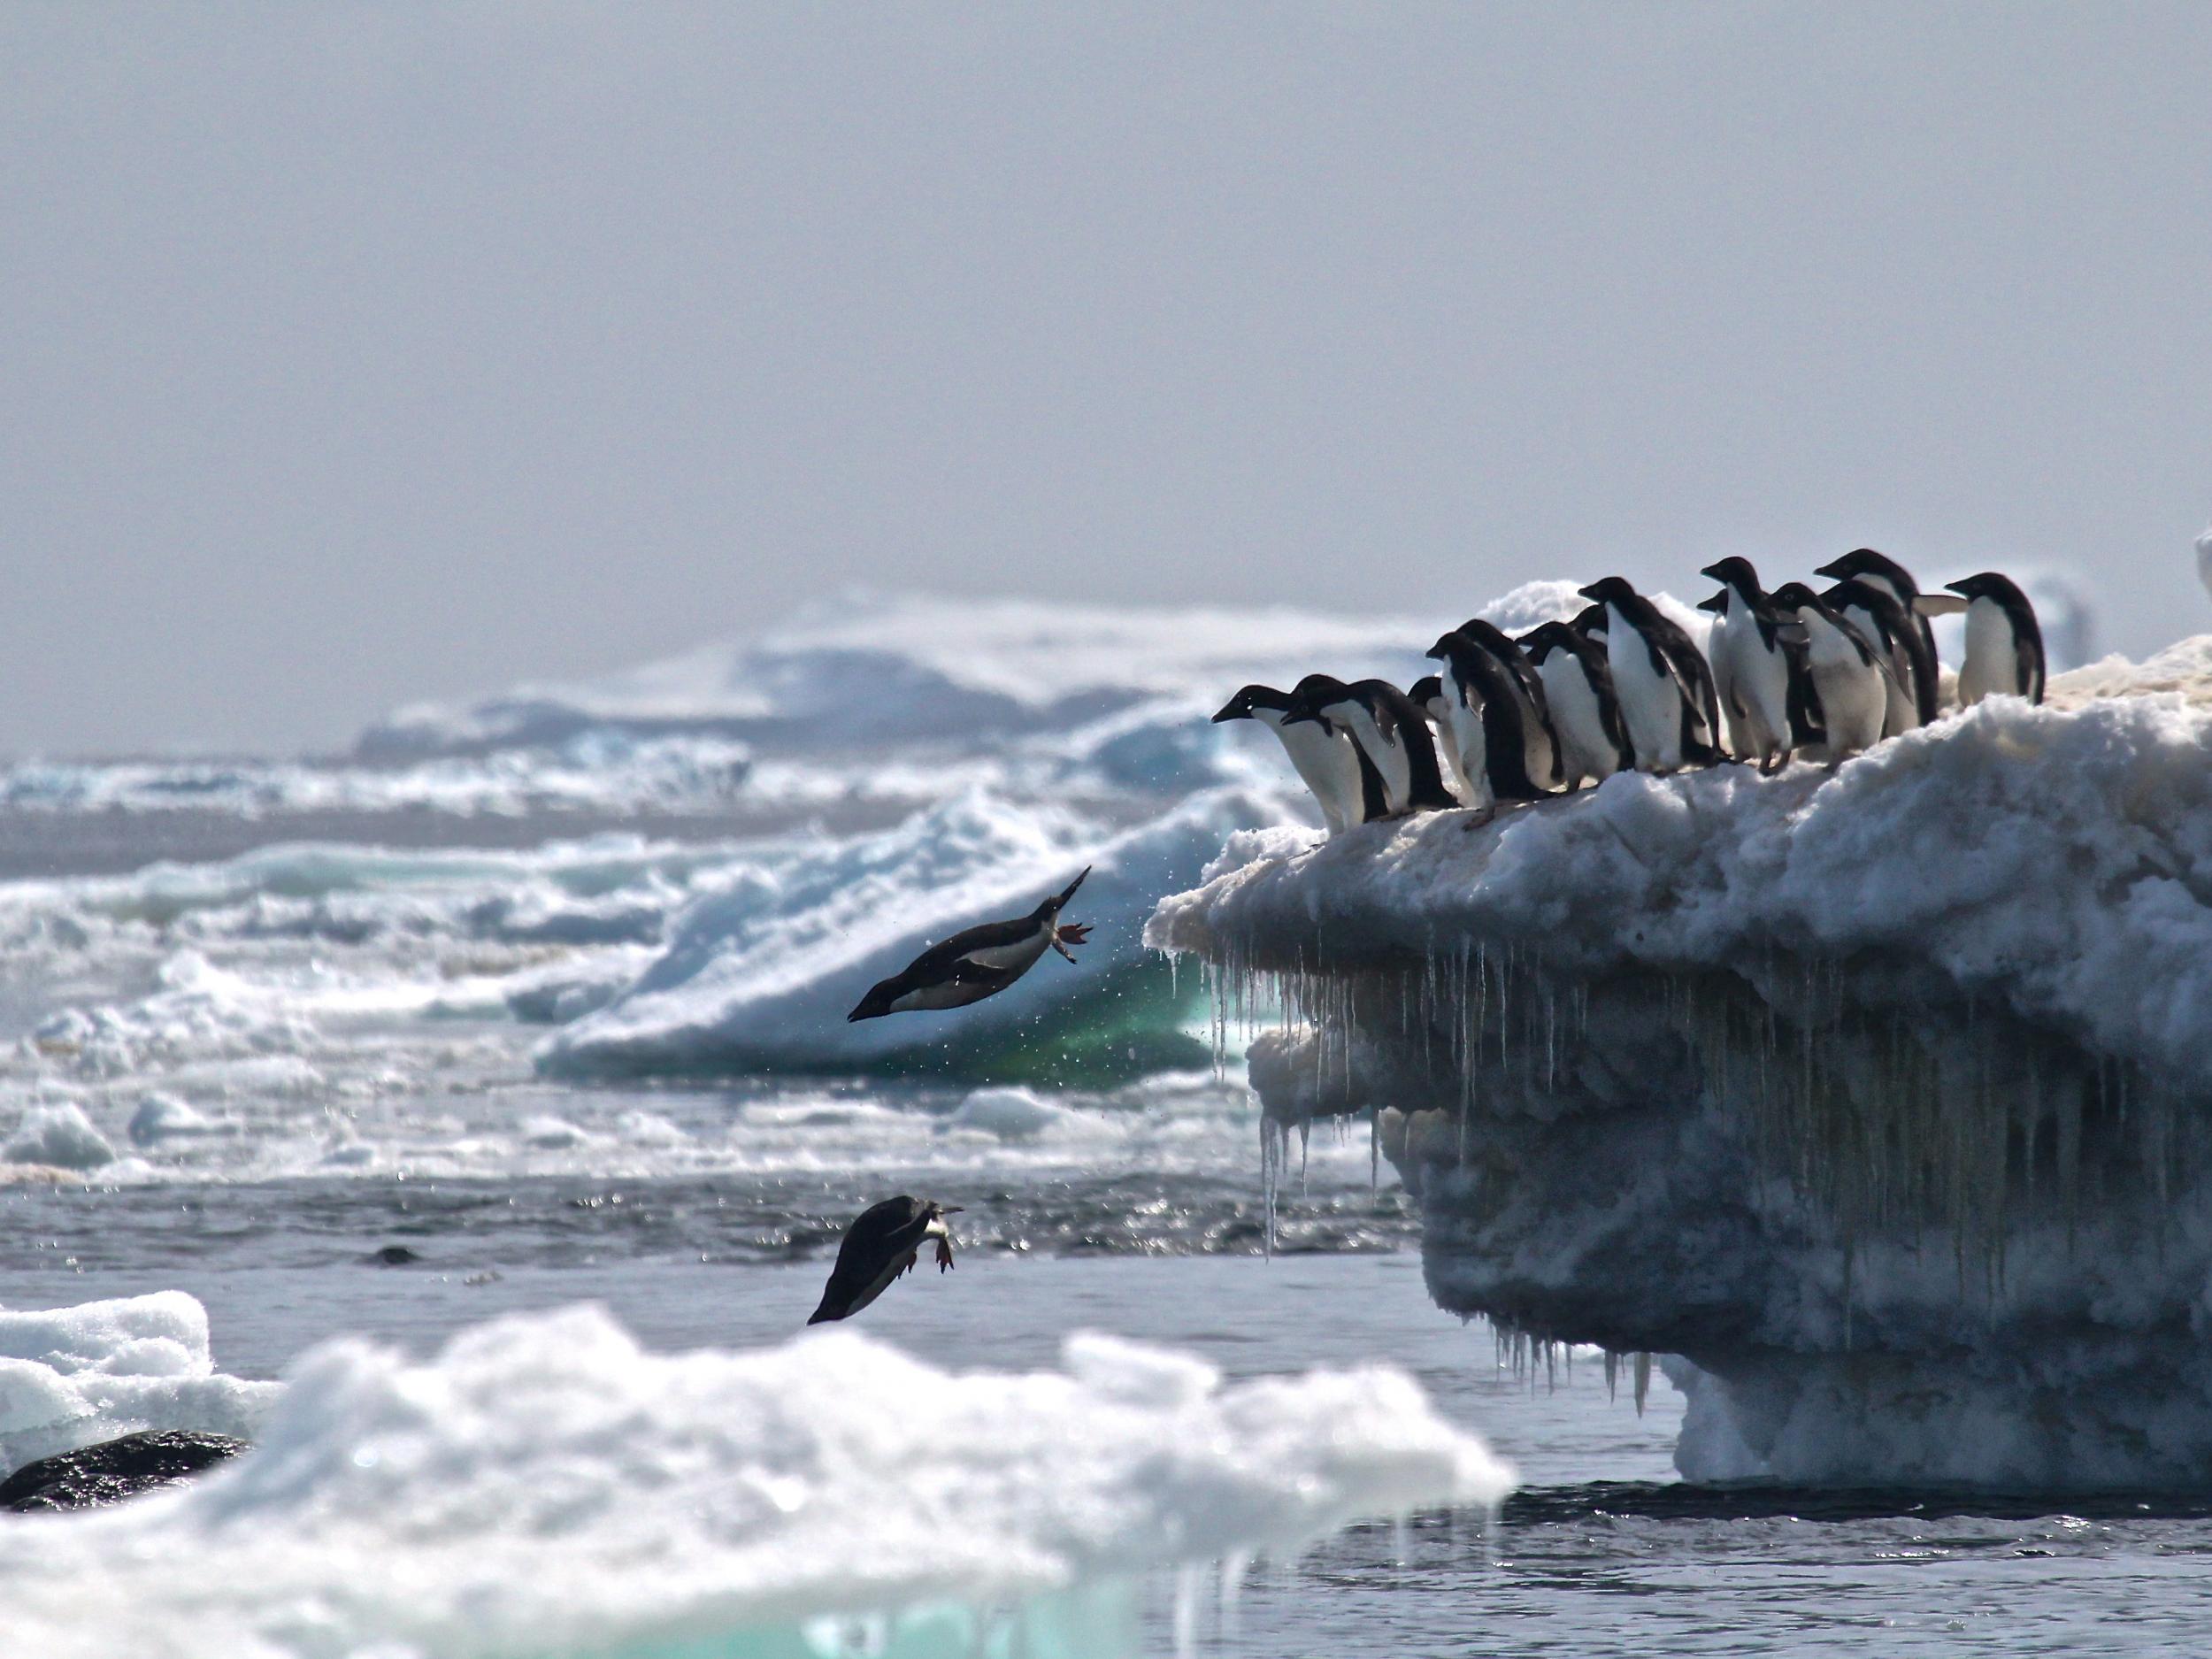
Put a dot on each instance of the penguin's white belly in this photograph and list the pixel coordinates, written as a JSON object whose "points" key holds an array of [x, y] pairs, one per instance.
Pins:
{"points": [[1759, 679], [951, 993], [1471, 749], [1326, 763], [1901, 713], [1992, 668], [1022, 954], [1542, 760], [1388, 755], [1851, 697], [1651, 702], [1589, 753], [1439, 711], [1718, 653]]}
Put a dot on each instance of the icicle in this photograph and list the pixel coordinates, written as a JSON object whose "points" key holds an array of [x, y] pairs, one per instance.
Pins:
{"points": [[1643, 1379]]}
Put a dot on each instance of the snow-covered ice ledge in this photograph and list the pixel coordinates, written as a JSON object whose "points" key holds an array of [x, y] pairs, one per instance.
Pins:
{"points": [[1881, 1097]]}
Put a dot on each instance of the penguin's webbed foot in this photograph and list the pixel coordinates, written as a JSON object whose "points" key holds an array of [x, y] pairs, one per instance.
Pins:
{"points": [[944, 1254], [1070, 933]]}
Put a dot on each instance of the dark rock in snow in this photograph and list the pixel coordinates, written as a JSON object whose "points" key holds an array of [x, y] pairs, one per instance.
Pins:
{"points": [[114, 1469]]}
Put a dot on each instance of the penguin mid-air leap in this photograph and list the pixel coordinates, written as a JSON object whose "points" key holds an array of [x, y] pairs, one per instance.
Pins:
{"points": [[884, 1241], [979, 963]]}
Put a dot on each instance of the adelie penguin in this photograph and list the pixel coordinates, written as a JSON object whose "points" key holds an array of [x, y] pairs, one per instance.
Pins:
{"points": [[1540, 744], [1878, 571], [980, 962], [2004, 643], [1893, 631], [1484, 709], [1760, 668], [1327, 760], [1586, 716], [1849, 673], [884, 1241], [1427, 695], [1664, 688], [1390, 732]]}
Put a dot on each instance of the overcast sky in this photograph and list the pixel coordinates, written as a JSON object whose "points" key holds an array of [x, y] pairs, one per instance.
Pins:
{"points": [[357, 354]]}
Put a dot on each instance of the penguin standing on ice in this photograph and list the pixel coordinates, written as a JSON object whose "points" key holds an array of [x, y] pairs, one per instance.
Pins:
{"points": [[1485, 707], [1664, 686], [1893, 631], [1390, 732], [1848, 673], [1540, 744], [1760, 671], [1585, 714], [1427, 695], [2004, 643], [1326, 760], [884, 1241], [1887, 575], [978, 963]]}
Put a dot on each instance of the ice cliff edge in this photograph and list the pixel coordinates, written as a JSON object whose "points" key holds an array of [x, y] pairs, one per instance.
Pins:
{"points": [[1880, 1095]]}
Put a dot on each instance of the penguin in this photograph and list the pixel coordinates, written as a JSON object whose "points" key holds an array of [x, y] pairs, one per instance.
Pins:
{"points": [[1427, 695], [1664, 688], [1484, 705], [1327, 761], [2004, 643], [1589, 622], [977, 962], [1585, 714], [1848, 670], [1894, 632], [1540, 745], [1390, 732], [1886, 575], [884, 1241], [1760, 671]]}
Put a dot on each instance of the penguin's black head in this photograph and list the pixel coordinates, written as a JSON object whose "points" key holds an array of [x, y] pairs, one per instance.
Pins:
{"points": [[1796, 596], [1312, 694], [877, 1002], [1866, 562], [1990, 585], [1447, 644], [1718, 603], [1611, 590], [1589, 621], [1489, 636], [1240, 706], [1424, 688], [1543, 639], [1734, 573]]}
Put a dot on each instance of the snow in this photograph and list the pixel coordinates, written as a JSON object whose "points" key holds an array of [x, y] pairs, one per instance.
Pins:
{"points": [[543, 1484], [60, 1136], [73, 1376], [1776, 1074]]}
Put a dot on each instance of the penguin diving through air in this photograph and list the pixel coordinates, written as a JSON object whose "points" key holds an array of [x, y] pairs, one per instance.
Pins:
{"points": [[980, 962], [1665, 688], [1390, 732], [1326, 759], [1760, 668], [2004, 643], [1586, 716], [884, 1241]]}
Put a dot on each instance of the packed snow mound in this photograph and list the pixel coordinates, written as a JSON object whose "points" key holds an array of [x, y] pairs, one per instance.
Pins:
{"points": [[761, 975], [60, 1136], [544, 1484], [2058, 861], [882, 670], [73, 1376]]}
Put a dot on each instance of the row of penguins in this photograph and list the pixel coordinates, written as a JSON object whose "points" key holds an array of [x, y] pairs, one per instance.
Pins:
{"points": [[1620, 687]]}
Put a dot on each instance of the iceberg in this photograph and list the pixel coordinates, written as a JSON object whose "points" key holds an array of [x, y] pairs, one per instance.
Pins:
{"points": [[1876, 1096], [544, 1486]]}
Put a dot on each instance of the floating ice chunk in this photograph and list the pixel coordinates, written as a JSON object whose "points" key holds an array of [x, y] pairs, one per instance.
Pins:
{"points": [[548, 1133], [1011, 1114], [71, 1376], [165, 1118], [543, 1484], [60, 1136]]}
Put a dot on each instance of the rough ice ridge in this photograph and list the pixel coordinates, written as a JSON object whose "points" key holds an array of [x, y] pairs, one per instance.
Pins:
{"points": [[544, 1484]]}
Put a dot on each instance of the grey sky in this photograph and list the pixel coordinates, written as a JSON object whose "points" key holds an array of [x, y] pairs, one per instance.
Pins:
{"points": [[353, 354]]}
